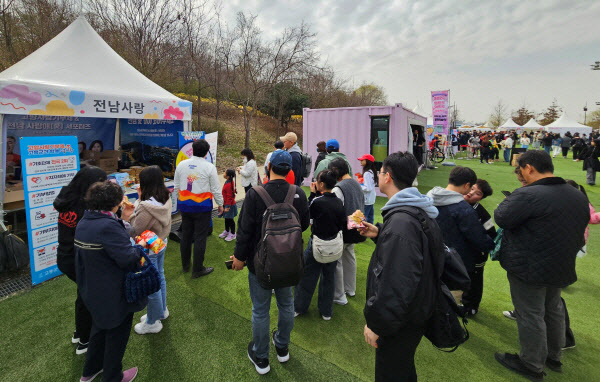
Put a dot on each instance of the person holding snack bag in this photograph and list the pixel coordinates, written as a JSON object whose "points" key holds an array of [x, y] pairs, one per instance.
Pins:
{"points": [[230, 208], [150, 218]]}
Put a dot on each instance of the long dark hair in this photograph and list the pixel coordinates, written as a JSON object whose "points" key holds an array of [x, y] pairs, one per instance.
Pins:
{"points": [[579, 187], [231, 174], [152, 184], [71, 197], [369, 166], [248, 154]]}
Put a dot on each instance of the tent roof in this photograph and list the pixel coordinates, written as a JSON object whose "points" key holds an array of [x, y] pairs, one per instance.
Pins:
{"points": [[532, 124], [78, 68], [565, 121], [509, 124], [488, 125], [418, 110]]}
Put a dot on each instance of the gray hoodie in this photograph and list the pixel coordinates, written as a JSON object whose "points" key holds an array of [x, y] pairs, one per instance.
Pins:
{"points": [[412, 197], [443, 197]]}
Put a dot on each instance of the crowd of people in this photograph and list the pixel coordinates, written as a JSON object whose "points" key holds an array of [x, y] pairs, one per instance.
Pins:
{"points": [[544, 227]]}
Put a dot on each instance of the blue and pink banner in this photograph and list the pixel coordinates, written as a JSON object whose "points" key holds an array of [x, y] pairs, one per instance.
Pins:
{"points": [[48, 163], [439, 104]]}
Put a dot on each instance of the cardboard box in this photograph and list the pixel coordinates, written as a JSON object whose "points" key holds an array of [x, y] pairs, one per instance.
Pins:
{"points": [[515, 160], [14, 195]]}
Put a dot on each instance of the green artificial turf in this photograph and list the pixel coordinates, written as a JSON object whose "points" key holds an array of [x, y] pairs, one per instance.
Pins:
{"points": [[206, 335]]}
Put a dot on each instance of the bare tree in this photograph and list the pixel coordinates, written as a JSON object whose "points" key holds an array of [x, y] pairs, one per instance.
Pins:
{"points": [[143, 31], [253, 65], [498, 115]]}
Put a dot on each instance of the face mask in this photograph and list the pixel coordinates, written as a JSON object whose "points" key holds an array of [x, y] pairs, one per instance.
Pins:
{"points": [[245, 160]]}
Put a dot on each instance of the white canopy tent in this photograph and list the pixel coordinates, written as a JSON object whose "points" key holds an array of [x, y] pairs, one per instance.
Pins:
{"points": [[532, 125], [78, 74], [564, 124], [508, 125]]}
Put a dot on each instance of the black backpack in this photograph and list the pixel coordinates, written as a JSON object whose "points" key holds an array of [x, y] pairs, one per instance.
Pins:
{"points": [[14, 253], [306, 165], [444, 330], [279, 262]]}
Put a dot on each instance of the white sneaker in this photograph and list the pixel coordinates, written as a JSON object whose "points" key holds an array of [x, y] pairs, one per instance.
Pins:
{"points": [[351, 294], [224, 234], [144, 328], [326, 318], [510, 314], [165, 316], [343, 301], [296, 314]]}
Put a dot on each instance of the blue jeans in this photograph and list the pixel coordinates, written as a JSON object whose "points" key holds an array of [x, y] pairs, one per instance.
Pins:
{"points": [[261, 304], [157, 302], [306, 287], [547, 149], [507, 155], [370, 213]]}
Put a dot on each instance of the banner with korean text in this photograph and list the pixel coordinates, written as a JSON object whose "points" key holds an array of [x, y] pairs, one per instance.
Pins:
{"points": [[439, 104], [48, 164]]}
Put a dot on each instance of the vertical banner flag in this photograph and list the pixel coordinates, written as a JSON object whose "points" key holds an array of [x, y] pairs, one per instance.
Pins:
{"points": [[48, 163], [439, 104]]}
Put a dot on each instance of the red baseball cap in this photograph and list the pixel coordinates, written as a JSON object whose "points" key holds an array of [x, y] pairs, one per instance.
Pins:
{"points": [[368, 157]]}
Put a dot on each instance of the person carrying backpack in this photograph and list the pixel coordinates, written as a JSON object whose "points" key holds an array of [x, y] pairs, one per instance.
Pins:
{"points": [[402, 280], [283, 253]]}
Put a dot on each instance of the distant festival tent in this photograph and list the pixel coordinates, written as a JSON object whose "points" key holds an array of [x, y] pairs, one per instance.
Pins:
{"points": [[564, 124], [532, 125], [509, 125]]}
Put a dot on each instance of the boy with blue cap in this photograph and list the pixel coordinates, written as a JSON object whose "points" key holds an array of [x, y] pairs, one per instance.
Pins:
{"points": [[248, 237], [333, 151]]}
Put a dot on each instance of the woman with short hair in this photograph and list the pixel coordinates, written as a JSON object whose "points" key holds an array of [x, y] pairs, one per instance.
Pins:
{"points": [[103, 257]]}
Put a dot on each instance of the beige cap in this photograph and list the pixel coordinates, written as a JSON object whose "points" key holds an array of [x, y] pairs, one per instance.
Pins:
{"points": [[292, 137]]}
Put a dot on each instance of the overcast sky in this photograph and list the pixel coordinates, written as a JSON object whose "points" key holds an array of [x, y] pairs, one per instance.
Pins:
{"points": [[522, 52]]}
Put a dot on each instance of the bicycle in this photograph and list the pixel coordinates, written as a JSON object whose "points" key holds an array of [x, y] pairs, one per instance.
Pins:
{"points": [[436, 155]]}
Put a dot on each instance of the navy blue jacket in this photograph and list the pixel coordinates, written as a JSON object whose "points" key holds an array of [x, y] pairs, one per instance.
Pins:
{"points": [[462, 231], [297, 167], [103, 257]]}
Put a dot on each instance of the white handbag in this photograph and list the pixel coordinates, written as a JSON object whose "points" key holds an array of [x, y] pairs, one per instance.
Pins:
{"points": [[328, 251]]}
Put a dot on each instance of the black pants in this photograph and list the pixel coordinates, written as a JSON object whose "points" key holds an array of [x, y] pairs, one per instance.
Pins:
{"points": [[472, 298], [83, 318], [230, 225], [565, 151], [495, 153], [418, 151], [569, 336], [247, 188], [195, 226], [395, 355], [106, 351], [576, 152], [485, 153]]}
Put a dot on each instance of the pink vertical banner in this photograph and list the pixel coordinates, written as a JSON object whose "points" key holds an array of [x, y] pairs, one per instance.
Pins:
{"points": [[439, 104]]}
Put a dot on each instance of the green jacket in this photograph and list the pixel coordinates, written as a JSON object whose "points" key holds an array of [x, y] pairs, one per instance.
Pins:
{"points": [[325, 162]]}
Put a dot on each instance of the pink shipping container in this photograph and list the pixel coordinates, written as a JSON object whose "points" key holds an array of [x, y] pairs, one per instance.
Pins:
{"points": [[376, 130]]}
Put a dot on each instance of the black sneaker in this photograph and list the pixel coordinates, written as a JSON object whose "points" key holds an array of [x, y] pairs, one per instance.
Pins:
{"points": [[204, 272], [283, 354], [81, 348], [510, 314], [513, 362], [569, 345], [261, 364], [555, 366]]}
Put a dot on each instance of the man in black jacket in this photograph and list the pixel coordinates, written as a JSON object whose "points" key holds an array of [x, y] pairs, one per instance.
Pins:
{"points": [[472, 298], [248, 237], [403, 272], [544, 224]]}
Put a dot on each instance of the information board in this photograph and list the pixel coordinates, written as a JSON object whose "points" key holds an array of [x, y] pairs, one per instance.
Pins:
{"points": [[48, 164]]}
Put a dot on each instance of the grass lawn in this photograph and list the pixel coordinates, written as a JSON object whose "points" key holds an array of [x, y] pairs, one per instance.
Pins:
{"points": [[206, 336]]}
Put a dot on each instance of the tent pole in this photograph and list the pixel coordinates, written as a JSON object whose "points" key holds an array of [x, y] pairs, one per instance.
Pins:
{"points": [[2, 169]]}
